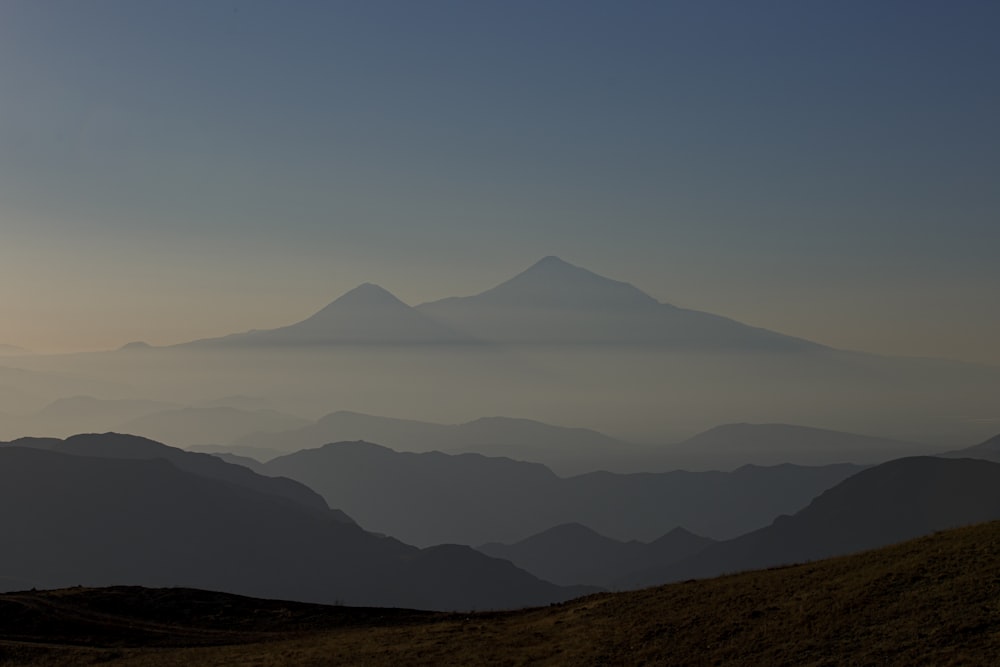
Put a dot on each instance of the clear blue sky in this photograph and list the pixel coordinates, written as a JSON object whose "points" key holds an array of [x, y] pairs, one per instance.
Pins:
{"points": [[173, 170]]}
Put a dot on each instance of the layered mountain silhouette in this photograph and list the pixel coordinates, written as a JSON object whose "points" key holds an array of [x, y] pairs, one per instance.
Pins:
{"points": [[573, 451], [81, 520], [574, 554], [433, 497], [882, 505]]}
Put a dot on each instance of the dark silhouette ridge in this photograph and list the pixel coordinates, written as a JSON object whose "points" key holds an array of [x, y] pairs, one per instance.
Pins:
{"points": [[72, 519], [888, 503], [574, 554], [478, 499], [124, 446]]}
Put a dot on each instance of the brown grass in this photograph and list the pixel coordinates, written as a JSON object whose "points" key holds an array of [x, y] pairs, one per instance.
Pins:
{"points": [[933, 601]]}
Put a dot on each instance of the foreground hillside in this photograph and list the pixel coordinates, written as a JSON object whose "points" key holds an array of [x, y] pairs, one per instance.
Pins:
{"points": [[934, 600]]}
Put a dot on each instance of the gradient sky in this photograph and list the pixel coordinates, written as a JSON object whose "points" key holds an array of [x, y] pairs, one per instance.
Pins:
{"points": [[181, 169]]}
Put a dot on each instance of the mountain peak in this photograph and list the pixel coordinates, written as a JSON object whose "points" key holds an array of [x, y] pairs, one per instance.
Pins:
{"points": [[552, 281], [368, 293]]}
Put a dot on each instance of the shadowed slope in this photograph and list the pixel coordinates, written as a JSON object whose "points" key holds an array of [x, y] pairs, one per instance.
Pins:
{"points": [[928, 601]]}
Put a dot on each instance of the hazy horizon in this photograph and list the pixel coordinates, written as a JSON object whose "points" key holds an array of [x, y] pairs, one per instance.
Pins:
{"points": [[179, 170]]}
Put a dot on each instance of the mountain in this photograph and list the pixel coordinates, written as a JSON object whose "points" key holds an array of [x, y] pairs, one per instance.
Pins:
{"points": [[556, 302], [366, 315], [433, 497], [194, 426], [732, 445], [12, 351], [927, 601], [574, 554], [565, 450], [123, 446], [894, 501], [77, 520], [988, 450]]}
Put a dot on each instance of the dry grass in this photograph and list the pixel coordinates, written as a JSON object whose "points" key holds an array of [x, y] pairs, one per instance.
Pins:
{"points": [[933, 601]]}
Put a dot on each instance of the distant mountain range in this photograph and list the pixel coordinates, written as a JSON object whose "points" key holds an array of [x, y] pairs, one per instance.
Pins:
{"points": [[573, 451], [110, 509], [430, 498], [888, 503]]}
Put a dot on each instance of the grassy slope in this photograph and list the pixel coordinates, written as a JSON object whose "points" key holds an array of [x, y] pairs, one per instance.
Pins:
{"points": [[935, 600]]}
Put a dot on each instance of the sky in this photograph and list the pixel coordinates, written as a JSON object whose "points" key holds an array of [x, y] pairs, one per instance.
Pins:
{"points": [[182, 169]]}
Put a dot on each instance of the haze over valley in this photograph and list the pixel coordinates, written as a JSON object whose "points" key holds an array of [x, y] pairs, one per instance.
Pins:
{"points": [[499, 333]]}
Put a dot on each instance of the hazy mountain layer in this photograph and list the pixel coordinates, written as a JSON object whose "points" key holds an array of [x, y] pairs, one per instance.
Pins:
{"points": [[72, 520], [433, 497], [891, 502]]}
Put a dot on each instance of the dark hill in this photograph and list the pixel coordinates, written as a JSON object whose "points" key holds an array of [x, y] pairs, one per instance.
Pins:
{"points": [[123, 446], [71, 520], [891, 502], [929, 601]]}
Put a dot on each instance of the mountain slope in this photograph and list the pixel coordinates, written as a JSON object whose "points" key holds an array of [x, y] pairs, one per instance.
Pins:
{"points": [[72, 520], [556, 302], [891, 502], [928, 601]]}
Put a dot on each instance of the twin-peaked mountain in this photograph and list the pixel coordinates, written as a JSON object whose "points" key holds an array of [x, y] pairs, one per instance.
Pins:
{"points": [[552, 302]]}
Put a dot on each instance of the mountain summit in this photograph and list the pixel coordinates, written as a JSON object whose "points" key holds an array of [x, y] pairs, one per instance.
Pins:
{"points": [[554, 283], [555, 302]]}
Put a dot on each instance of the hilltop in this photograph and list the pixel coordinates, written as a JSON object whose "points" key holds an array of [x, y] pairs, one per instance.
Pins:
{"points": [[932, 600]]}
